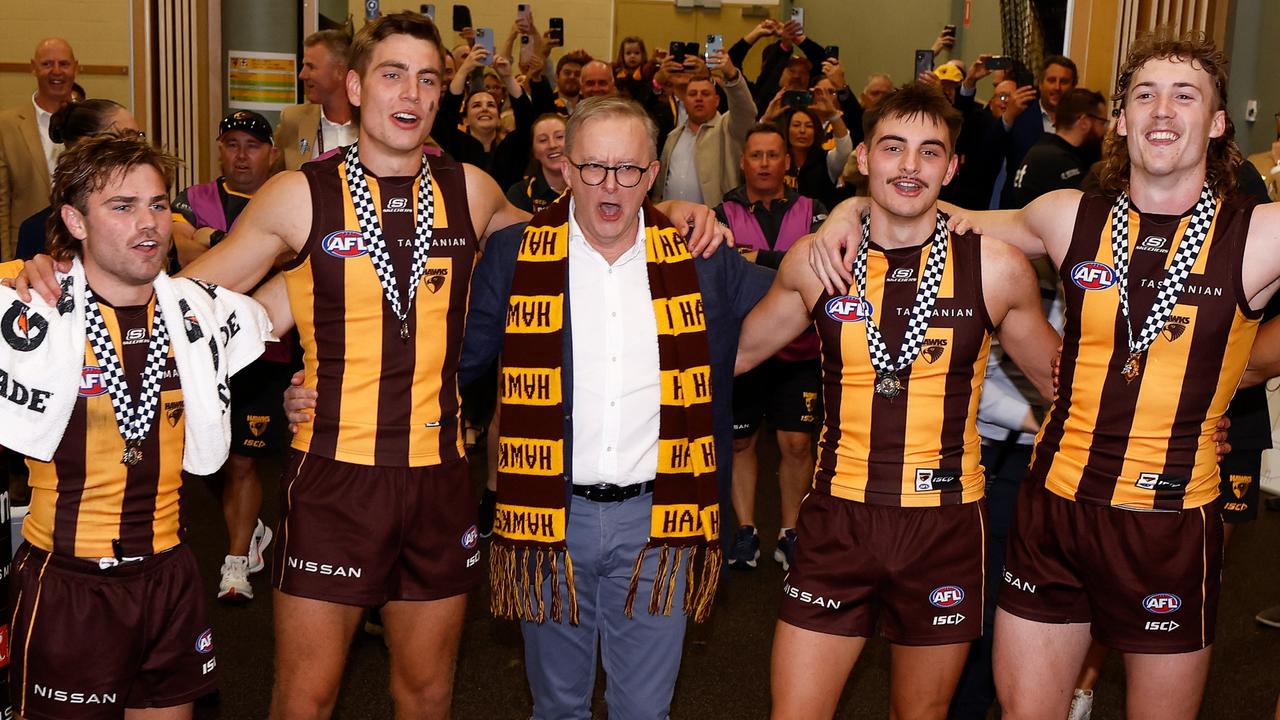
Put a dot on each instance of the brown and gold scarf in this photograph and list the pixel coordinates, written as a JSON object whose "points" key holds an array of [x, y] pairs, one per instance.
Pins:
{"points": [[531, 513]]}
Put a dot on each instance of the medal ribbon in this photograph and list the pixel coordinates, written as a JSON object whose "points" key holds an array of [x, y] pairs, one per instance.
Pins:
{"points": [[921, 311], [133, 420], [1183, 260], [371, 229]]}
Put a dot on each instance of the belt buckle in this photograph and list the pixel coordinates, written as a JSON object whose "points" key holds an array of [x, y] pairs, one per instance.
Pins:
{"points": [[602, 492]]}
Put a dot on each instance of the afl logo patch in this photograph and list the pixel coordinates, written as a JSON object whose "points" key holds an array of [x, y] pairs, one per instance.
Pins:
{"points": [[470, 537], [345, 244], [1162, 603], [91, 384], [947, 596], [1093, 275], [204, 643], [848, 308]]}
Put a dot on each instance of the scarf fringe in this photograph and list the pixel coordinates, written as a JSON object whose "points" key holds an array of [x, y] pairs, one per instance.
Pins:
{"points": [[515, 593], [699, 591]]}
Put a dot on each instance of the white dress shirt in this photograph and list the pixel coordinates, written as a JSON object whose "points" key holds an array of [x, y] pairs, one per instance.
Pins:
{"points": [[616, 391], [335, 135], [682, 175], [51, 149]]}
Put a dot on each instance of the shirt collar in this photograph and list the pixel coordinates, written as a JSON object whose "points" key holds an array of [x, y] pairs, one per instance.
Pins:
{"points": [[576, 237], [41, 114]]}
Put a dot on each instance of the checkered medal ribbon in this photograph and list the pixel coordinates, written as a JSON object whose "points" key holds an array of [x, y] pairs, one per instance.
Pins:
{"points": [[371, 230], [1171, 288], [133, 420], [887, 383]]}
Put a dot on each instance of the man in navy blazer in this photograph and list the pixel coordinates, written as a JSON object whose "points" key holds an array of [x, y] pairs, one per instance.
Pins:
{"points": [[1057, 75]]}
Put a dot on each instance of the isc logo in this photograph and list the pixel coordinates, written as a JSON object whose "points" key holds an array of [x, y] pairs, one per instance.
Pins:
{"points": [[946, 596], [344, 244], [91, 381], [1162, 603], [848, 308], [1092, 275]]}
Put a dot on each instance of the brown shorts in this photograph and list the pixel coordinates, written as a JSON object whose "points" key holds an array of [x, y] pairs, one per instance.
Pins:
{"points": [[923, 568], [1147, 581], [88, 643], [364, 535]]}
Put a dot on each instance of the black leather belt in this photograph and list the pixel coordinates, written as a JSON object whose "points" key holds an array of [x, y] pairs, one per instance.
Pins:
{"points": [[605, 492]]}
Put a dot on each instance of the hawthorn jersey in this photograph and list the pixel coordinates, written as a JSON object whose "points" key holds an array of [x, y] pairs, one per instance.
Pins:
{"points": [[1146, 444], [382, 400], [921, 448], [85, 502]]}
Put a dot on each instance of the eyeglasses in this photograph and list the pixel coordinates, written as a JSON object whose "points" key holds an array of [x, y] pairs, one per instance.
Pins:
{"points": [[1100, 118], [627, 176]]}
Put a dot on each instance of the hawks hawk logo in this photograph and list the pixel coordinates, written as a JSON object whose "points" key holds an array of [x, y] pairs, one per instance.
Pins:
{"points": [[1240, 485], [173, 412], [1176, 326], [258, 424], [435, 279], [933, 349], [23, 329]]}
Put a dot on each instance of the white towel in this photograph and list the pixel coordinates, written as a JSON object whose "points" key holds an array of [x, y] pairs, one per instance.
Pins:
{"points": [[214, 332]]}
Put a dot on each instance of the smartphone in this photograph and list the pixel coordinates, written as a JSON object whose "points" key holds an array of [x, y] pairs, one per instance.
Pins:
{"points": [[949, 31], [797, 98], [676, 50], [797, 16], [999, 62], [429, 10], [522, 11], [832, 52], [924, 63], [556, 26], [715, 43], [484, 39], [691, 48], [461, 17]]}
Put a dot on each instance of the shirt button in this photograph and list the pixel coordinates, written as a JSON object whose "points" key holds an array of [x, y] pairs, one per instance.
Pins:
{"points": [[612, 403]]}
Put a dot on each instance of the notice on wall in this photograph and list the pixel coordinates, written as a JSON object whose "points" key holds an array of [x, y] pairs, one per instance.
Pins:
{"points": [[261, 80]]}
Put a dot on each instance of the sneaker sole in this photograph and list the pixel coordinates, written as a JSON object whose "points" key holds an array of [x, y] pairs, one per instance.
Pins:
{"points": [[1269, 622], [262, 545], [232, 597], [781, 558], [745, 564]]}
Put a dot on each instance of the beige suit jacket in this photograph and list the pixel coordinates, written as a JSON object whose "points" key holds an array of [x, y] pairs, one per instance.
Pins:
{"points": [[296, 134], [717, 149], [1266, 165], [24, 174]]}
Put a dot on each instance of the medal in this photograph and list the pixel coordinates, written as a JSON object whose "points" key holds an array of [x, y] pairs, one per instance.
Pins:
{"points": [[132, 454], [1132, 368], [1170, 288], [134, 420], [371, 230], [888, 384]]}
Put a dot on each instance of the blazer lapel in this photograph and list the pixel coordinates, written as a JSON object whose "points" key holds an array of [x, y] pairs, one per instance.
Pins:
{"points": [[31, 135]]}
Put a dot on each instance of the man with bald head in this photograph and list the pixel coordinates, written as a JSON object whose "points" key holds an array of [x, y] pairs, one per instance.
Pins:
{"points": [[27, 155], [597, 79]]}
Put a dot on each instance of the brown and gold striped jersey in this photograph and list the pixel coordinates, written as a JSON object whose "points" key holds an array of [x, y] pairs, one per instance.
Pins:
{"points": [[85, 502], [382, 400], [921, 448], [1146, 444]]}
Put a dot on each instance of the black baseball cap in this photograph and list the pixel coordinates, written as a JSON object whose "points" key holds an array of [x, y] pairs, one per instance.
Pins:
{"points": [[247, 121]]}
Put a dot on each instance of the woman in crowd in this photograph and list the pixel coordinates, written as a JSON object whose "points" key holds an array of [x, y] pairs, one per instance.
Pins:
{"points": [[544, 182], [68, 126], [484, 143], [814, 170]]}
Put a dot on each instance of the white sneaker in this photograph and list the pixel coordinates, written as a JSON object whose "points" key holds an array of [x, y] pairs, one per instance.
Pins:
{"points": [[1081, 705], [257, 544], [234, 586]]}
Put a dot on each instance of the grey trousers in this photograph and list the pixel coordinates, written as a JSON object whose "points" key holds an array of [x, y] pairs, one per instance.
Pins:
{"points": [[641, 654]]}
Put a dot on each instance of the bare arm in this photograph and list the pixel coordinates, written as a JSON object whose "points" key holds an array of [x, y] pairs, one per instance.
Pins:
{"points": [[490, 210], [1012, 295], [274, 296], [276, 220], [1264, 361], [783, 313]]}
